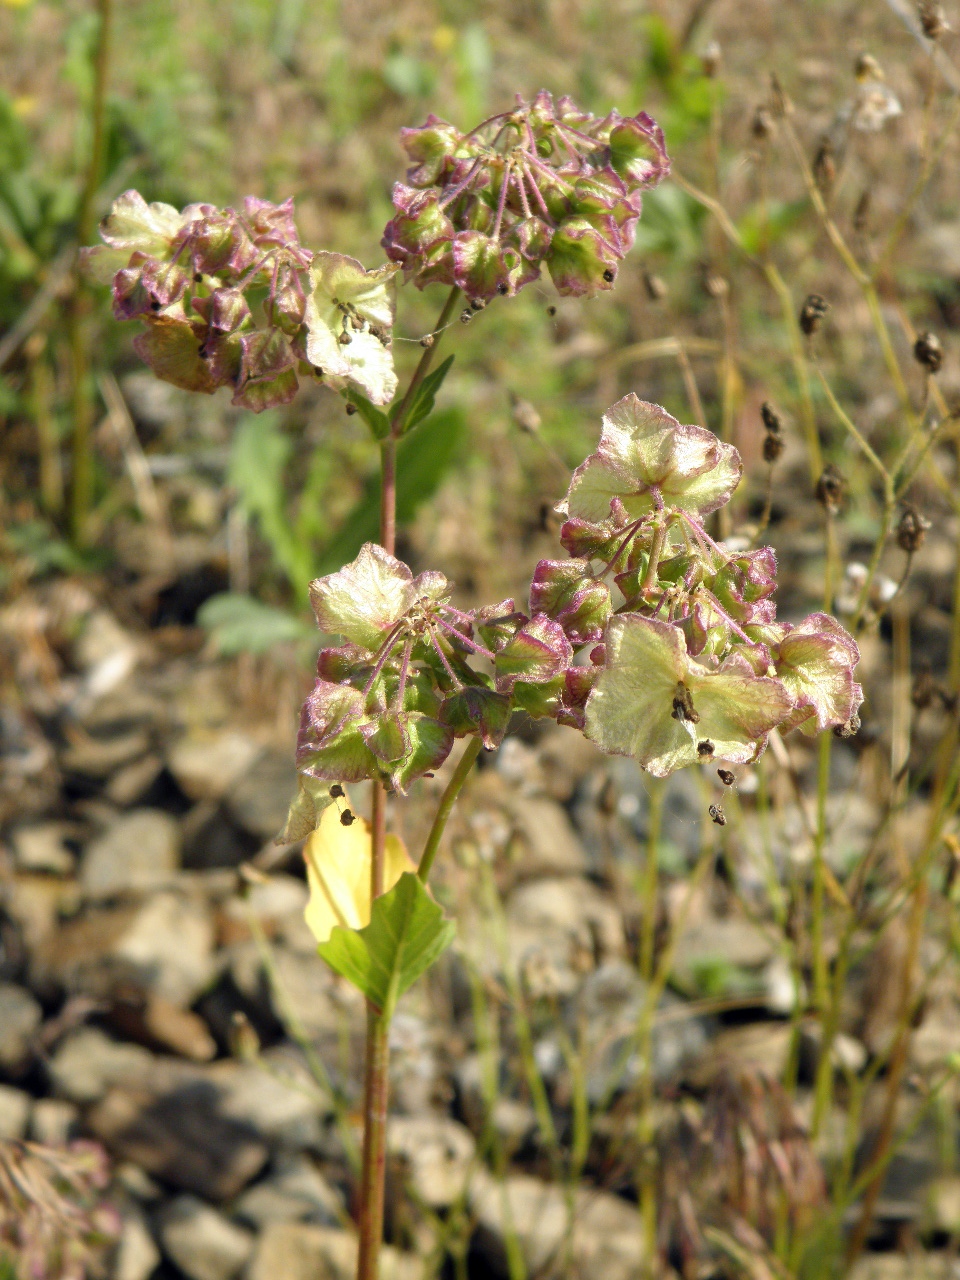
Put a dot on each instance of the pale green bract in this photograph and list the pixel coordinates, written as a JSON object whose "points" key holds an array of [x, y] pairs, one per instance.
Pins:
{"points": [[367, 598], [348, 318], [654, 702], [648, 460]]}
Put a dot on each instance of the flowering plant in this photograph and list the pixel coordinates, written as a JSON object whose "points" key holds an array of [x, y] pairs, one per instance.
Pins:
{"points": [[649, 637]]}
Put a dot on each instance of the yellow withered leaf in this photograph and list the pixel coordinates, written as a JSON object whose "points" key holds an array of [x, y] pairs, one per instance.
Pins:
{"points": [[338, 873]]}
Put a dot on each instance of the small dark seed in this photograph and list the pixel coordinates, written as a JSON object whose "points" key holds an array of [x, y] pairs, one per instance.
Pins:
{"points": [[503, 289], [551, 311], [477, 304], [705, 748], [831, 488], [351, 409], [717, 815], [811, 314], [928, 352], [317, 371], [347, 818], [609, 276], [336, 791], [912, 531], [726, 777], [154, 306], [427, 340], [197, 277], [466, 315], [773, 447]]}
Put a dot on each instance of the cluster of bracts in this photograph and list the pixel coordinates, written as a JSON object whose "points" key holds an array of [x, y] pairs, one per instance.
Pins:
{"points": [[652, 638]]}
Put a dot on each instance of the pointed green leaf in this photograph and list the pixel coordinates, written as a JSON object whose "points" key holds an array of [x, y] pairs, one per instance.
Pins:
{"points": [[378, 422], [422, 405], [406, 934]]}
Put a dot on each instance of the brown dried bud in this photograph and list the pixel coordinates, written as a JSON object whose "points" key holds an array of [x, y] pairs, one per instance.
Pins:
{"points": [[831, 488], [714, 284], [772, 421], [928, 352], [912, 531], [763, 126], [427, 340], [710, 60], [655, 286], [812, 312], [773, 447], [932, 19], [825, 167], [726, 777], [244, 1041], [717, 815]]}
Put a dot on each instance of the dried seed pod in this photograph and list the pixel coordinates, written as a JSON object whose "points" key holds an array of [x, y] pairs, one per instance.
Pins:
{"points": [[928, 351], [705, 749], [427, 340], [912, 531], [337, 792], [655, 286], [348, 818], [726, 777], [711, 59], [477, 304], [772, 421], [763, 126], [862, 212], [831, 489], [773, 447], [924, 689], [812, 312], [825, 167], [932, 19], [524, 415], [867, 67], [717, 815]]}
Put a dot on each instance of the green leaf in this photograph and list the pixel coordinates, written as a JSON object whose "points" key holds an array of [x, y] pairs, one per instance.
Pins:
{"points": [[240, 624], [378, 422], [422, 405], [406, 934]]}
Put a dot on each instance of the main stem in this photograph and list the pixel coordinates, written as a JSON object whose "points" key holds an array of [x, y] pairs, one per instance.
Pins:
{"points": [[81, 484], [377, 1056]]}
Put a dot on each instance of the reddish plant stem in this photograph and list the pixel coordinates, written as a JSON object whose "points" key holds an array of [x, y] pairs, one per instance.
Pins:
{"points": [[376, 1058]]}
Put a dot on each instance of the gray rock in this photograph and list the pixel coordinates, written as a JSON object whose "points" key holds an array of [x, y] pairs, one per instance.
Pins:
{"points": [[137, 852], [279, 1101], [20, 1016], [294, 1191], [720, 946], [551, 846], [163, 945], [202, 1242], [435, 1156], [605, 1239], [88, 1063], [14, 1113], [53, 1122], [174, 1130], [207, 765], [300, 1251], [607, 1011], [41, 848], [258, 801], [100, 757], [137, 1257]]}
